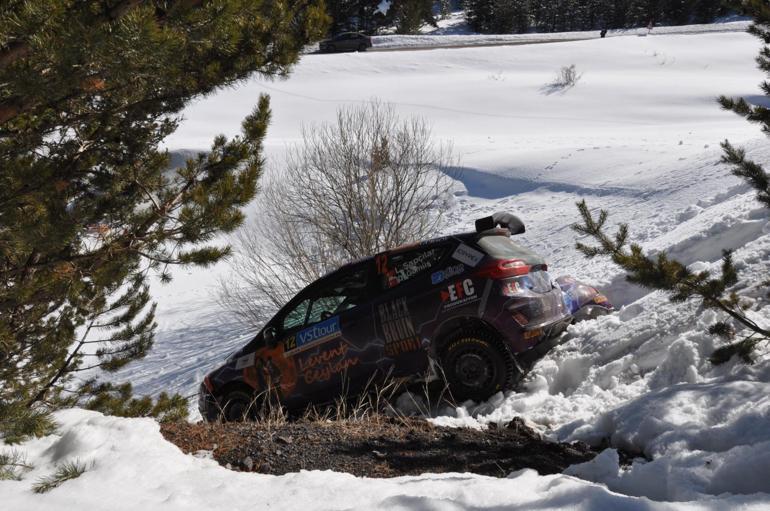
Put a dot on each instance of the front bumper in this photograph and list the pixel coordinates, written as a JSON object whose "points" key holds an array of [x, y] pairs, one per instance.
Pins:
{"points": [[208, 405], [552, 337]]}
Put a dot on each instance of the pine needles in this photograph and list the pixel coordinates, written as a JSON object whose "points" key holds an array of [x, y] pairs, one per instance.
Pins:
{"points": [[12, 464], [64, 472]]}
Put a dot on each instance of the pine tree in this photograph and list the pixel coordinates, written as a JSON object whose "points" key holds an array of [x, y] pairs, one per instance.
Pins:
{"points": [[665, 273], [409, 15], [444, 8], [479, 14], [705, 11], [355, 15], [510, 16], [88, 208]]}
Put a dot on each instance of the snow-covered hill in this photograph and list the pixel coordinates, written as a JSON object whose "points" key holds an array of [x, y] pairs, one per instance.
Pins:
{"points": [[638, 135]]}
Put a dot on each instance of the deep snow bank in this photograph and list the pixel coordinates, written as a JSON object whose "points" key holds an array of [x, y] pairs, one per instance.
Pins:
{"points": [[641, 380], [133, 468]]}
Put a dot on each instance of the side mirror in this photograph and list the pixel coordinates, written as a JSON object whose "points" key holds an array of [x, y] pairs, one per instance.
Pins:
{"points": [[271, 336]]}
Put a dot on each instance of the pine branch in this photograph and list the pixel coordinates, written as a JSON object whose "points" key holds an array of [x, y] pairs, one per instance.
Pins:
{"points": [[664, 273]]}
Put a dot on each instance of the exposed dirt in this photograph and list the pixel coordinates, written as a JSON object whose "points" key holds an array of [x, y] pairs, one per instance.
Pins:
{"points": [[382, 447]]}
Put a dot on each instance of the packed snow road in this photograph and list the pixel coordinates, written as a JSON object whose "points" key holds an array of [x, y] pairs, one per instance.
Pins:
{"points": [[431, 42], [638, 134]]}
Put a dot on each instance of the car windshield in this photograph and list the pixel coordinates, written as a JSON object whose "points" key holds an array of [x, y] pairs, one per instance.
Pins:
{"points": [[502, 247]]}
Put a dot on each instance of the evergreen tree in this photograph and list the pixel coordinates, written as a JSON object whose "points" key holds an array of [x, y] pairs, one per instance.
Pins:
{"points": [[498, 16], [479, 14], [504, 16], [88, 208], [677, 12], [444, 8], [706, 11], [356, 16], [665, 273], [510, 16], [409, 15]]}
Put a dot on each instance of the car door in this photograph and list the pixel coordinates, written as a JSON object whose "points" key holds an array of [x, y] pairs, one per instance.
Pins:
{"points": [[405, 306], [348, 42], [272, 371], [330, 350]]}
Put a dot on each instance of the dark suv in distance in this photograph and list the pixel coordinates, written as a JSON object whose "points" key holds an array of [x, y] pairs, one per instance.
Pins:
{"points": [[346, 41], [477, 305]]}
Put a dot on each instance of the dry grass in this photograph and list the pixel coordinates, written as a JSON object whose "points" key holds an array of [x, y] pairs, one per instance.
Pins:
{"points": [[374, 403]]}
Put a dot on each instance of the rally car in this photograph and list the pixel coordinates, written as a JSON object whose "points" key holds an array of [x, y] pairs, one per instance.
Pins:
{"points": [[474, 309]]}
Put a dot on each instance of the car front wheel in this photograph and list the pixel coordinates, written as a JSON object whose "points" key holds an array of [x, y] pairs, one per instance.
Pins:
{"points": [[476, 366]]}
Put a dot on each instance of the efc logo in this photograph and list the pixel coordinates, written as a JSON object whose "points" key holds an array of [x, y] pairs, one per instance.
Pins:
{"points": [[459, 293]]}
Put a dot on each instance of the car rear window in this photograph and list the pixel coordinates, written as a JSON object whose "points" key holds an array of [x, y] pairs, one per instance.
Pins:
{"points": [[502, 247]]}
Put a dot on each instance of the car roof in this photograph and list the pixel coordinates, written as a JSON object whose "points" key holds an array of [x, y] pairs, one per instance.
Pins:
{"points": [[464, 236]]}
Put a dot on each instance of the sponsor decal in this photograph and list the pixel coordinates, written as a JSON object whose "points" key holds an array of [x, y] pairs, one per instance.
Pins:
{"points": [[271, 371], [412, 267], [312, 335], [467, 255], [397, 328], [320, 367], [511, 288], [460, 293], [244, 361], [381, 261], [447, 273], [399, 269]]}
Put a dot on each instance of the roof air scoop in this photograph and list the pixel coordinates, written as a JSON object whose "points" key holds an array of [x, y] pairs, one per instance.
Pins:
{"points": [[504, 220]]}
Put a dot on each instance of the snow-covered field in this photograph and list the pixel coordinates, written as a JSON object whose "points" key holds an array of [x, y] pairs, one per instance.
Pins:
{"points": [[638, 135]]}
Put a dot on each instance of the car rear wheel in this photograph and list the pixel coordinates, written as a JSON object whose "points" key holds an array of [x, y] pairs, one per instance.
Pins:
{"points": [[477, 366], [237, 405], [362, 47]]}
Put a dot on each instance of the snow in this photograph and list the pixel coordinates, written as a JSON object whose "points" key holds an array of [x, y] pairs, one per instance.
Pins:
{"points": [[639, 136], [130, 467]]}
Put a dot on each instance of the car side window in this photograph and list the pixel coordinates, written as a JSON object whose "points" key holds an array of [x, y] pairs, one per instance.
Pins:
{"points": [[344, 292], [324, 307], [296, 316], [395, 269]]}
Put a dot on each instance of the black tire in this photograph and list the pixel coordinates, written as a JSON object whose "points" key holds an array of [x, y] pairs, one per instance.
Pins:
{"points": [[237, 406], [362, 47], [477, 365], [331, 48]]}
